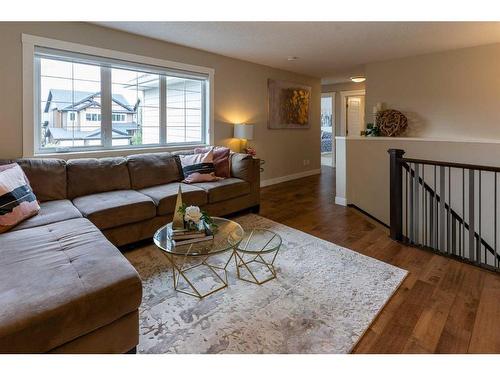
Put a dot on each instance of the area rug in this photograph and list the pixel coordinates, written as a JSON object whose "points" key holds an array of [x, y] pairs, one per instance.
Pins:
{"points": [[323, 300]]}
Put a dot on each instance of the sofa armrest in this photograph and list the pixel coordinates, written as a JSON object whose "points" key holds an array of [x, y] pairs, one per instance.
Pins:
{"points": [[245, 167]]}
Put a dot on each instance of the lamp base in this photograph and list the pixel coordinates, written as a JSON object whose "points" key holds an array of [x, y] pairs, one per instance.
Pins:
{"points": [[243, 144]]}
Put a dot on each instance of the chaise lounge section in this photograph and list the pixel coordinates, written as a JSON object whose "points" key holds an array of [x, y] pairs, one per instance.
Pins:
{"points": [[64, 285]]}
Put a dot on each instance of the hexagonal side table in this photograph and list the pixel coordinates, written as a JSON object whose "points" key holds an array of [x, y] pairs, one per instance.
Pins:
{"points": [[255, 256]]}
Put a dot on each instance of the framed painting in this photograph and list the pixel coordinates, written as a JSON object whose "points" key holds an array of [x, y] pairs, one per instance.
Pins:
{"points": [[289, 105]]}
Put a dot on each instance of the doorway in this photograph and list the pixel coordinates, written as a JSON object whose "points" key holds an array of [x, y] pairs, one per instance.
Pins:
{"points": [[353, 112], [328, 129]]}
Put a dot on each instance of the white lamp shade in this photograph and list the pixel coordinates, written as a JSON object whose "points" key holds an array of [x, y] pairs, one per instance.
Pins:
{"points": [[243, 131]]}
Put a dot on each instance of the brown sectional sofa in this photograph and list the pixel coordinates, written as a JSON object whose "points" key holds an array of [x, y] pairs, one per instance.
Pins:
{"points": [[64, 286]]}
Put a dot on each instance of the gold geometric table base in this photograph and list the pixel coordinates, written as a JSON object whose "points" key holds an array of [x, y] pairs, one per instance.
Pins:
{"points": [[255, 248], [241, 263], [180, 272]]}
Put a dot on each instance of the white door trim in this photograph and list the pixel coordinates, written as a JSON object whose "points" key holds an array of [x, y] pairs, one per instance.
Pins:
{"points": [[331, 95], [343, 100]]}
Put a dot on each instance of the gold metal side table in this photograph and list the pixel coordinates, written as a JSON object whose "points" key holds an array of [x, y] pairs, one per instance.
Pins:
{"points": [[227, 236], [255, 256]]}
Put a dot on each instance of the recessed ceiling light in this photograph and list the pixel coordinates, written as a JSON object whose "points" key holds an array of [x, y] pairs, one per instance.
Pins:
{"points": [[358, 79], [292, 58]]}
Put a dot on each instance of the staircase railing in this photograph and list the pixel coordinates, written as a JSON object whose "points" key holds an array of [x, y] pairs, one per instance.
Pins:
{"points": [[450, 208]]}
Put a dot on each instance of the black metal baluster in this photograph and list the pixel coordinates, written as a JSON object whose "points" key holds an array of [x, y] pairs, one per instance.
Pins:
{"points": [[472, 254], [435, 246], [459, 234], [410, 198], [480, 193], [416, 220], [426, 199], [463, 212], [423, 205], [442, 221], [431, 220], [478, 250], [495, 255], [406, 206], [480, 218], [453, 235], [448, 221]]}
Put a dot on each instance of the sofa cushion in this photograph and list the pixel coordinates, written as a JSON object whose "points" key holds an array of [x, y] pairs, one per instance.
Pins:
{"points": [[51, 212], [115, 208], [242, 166], [59, 282], [47, 177], [90, 176], [183, 152], [153, 169], [165, 196], [224, 189]]}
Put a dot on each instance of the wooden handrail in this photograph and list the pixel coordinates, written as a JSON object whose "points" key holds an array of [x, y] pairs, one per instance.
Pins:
{"points": [[452, 165]]}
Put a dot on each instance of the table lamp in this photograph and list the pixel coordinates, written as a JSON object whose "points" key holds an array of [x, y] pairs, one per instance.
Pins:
{"points": [[243, 132]]}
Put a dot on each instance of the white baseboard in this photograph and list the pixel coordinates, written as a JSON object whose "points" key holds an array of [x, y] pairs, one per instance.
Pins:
{"points": [[341, 201], [277, 180]]}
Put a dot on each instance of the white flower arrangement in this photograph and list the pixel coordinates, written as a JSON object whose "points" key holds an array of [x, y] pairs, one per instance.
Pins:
{"points": [[193, 214]]}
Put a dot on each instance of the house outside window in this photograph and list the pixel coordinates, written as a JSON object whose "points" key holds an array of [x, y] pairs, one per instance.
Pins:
{"points": [[117, 117], [86, 103], [92, 116]]}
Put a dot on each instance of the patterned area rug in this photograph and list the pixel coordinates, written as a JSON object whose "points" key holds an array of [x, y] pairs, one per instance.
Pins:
{"points": [[323, 300]]}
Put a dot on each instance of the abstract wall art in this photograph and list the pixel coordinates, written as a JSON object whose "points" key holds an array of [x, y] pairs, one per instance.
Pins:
{"points": [[289, 105]]}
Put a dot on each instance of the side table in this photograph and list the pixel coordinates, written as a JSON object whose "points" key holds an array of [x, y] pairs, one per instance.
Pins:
{"points": [[255, 256]]}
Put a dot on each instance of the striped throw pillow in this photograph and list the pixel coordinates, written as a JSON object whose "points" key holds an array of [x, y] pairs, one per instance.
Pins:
{"points": [[197, 163], [221, 159], [17, 201]]}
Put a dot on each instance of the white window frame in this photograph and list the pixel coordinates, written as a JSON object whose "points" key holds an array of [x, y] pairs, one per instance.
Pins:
{"points": [[31, 102]]}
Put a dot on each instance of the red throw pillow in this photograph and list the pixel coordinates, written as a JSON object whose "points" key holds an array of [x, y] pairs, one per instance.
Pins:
{"points": [[221, 159]]}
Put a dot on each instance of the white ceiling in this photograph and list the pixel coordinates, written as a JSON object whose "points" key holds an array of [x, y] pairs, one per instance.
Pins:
{"points": [[333, 51]]}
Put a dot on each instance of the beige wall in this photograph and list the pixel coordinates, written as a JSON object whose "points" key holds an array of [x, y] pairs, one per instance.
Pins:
{"points": [[451, 94], [337, 88], [240, 92], [451, 100]]}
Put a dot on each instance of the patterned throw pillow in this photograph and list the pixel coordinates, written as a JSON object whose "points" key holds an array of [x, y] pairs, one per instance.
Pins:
{"points": [[198, 167], [17, 201], [199, 163], [221, 159]]}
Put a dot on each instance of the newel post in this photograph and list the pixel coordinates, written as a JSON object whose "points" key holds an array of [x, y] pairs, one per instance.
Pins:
{"points": [[396, 193]]}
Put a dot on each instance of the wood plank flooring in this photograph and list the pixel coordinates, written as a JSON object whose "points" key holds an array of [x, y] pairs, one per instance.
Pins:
{"points": [[443, 306]]}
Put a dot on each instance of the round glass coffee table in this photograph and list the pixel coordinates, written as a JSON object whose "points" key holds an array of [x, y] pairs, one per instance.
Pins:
{"points": [[227, 236], [255, 256]]}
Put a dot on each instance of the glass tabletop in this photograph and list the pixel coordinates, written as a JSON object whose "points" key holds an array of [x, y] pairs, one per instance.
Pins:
{"points": [[227, 235], [259, 241]]}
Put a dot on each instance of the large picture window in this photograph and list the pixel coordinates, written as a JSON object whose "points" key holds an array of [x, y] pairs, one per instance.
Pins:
{"points": [[85, 102]]}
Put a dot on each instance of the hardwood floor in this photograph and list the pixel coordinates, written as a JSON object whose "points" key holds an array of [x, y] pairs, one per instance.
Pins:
{"points": [[443, 306]]}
